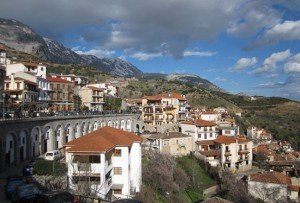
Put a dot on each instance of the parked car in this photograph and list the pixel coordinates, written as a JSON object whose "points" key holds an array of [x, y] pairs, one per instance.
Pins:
{"points": [[25, 193], [57, 197], [28, 170], [52, 155], [11, 186]]}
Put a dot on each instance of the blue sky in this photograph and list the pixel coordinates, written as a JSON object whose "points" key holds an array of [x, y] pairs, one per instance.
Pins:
{"points": [[242, 46]]}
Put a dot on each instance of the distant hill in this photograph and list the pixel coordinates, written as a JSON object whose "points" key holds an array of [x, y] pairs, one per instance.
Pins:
{"points": [[22, 38]]}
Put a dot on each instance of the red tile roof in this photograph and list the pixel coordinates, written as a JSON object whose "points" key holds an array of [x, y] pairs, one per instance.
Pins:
{"points": [[2, 48], [271, 177], [223, 139], [210, 153], [209, 112], [57, 80], [205, 142], [203, 123], [94, 88], [294, 188], [165, 95], [102, 140]]}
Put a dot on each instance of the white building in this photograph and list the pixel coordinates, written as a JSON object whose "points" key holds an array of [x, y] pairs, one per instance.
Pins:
{"points": [[2, 55], [200, 129], [210, 116], [107, 161], [38, 70], [107, 88], [78, 80], [269, 186], [229, 131]]}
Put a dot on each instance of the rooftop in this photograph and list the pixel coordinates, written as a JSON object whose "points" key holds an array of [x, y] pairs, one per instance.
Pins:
{"points": [[58, 80], [102, 140], [270, 177], [223, 139], [165, 96], [168, 135]]}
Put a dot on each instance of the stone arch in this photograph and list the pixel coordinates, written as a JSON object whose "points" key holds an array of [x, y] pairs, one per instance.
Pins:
{"points": [[89, 127], [109, 123], [83, 132], [117, 124], [128, 125], [35, 136], [10, 145], [48, 139], [59, 137], [23, 140], [77, 131], [69, 133], [137, 128], [95, 125], [123, 123]]}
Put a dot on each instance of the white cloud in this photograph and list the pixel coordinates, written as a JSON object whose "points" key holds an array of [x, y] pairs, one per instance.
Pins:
{"points": [[243, 63], [96, 52], [287, 30], [293, 65], [270, 63], [145, 56], [199, 53]]}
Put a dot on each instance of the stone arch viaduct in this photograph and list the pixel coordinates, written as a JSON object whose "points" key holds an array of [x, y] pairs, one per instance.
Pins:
{"points": [[25, 139]]}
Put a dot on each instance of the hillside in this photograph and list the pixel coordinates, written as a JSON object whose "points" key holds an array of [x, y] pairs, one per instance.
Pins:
{"points": [[22, 38]]}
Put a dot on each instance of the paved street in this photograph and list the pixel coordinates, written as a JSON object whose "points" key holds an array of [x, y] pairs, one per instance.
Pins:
{"points": [[12, 171]]}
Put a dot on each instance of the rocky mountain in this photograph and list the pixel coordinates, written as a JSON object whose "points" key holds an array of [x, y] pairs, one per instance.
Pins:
{"points": [[192, 80], [22, 38]]}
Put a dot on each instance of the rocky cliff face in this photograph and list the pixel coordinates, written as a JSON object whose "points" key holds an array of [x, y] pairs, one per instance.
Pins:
{"points": [[22, 38]]}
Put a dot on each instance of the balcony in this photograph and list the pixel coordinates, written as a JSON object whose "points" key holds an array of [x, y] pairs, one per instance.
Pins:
{"points": [[243, 151], [227, 153], [227, 161], [86, 169]]}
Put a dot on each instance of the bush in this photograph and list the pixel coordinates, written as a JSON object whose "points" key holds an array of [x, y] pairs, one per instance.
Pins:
{"points": [[45, 167]]}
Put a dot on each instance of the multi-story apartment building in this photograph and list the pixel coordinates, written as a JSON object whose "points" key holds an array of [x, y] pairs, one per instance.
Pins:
{"points": [[20, 90], [2, 55], [200, 129], [92, 97], [38, 70], [234, 153], [62, 92], [106, 162], [164, 109], [210, 116], [174, 143], [76, 79]]}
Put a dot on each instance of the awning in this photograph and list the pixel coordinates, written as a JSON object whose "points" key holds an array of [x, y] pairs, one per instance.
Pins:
{"points": [[117, 186]]}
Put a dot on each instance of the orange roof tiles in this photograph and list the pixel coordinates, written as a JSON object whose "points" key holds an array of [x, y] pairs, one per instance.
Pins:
{"points": [[223, 139], [205, 142], [203, 123], [165, 95], [210, 153], [58, 80], [271, 177], [209, 112], [102, 140], [94, 88]]}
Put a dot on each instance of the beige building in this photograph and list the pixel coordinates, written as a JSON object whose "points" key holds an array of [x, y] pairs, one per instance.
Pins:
{"points": [[62, 92], [20, 90], [92, 97], [233, 153], [164, 108], [173, 143]]}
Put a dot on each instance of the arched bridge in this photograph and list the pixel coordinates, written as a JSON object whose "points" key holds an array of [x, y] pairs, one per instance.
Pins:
{"points": [[24, 139]]}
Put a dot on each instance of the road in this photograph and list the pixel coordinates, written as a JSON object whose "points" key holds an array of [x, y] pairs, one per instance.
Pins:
{"points": [[10, 172]]}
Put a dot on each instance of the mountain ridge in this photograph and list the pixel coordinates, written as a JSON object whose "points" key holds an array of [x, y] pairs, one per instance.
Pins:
{"points": [[21, 37]]}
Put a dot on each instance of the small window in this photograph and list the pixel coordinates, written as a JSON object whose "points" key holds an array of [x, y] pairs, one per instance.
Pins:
{"points": [[118, 152], [117, 191], [94, 159], [42, 68], [118, 170]]}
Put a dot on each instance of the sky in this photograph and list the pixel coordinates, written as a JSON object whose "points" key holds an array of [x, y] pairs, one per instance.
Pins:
{"points": [[249, 46]]}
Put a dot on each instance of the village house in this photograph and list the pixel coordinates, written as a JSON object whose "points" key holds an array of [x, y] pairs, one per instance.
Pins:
{"points": [[233, 153], [163, 109], [106, 163], [62, 94], [269, 186], [174, 143], [210, 116], [200, 129], [92, 97], [76, 79], [2, 55], [38, 70]]}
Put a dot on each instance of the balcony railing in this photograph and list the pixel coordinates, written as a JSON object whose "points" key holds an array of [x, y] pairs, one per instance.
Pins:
{"points": [[227, 153]]}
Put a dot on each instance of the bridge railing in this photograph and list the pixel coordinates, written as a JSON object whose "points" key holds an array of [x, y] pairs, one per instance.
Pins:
{"points": [[58, 115]]}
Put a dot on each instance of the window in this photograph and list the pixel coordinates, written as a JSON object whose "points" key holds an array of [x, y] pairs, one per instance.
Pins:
{"points": [[42, 68], [211, 135], [7, 85], [18, 85], [117, 191], [118, 152], [94, 159], [118, 170]]}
